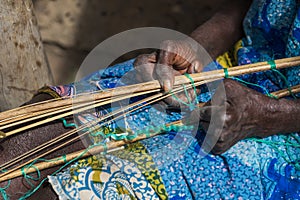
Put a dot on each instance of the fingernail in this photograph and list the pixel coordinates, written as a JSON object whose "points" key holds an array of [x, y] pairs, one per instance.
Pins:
{"points": [[197, 67], [167, 85]]}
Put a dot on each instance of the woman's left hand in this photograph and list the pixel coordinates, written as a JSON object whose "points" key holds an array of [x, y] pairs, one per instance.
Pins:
{"points": [[235, 113]]}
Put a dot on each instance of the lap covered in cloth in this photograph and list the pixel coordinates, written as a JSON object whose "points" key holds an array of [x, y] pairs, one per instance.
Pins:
{"points": [[171, 165]]}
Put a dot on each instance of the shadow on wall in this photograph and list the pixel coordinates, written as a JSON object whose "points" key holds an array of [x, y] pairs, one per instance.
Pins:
{"points": [[72, 28]]}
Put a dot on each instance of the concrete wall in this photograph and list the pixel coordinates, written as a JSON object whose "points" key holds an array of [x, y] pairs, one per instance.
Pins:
{"points": [[71, 28]]}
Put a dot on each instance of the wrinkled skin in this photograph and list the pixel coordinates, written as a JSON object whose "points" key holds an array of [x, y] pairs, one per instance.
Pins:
{"points": [[20, 143], [175, 58], [240, 112], [217, 35]]}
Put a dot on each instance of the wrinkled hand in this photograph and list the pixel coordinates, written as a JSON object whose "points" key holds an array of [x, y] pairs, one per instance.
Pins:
{"points": [[235, 113], [175, 58], [178, 56]]}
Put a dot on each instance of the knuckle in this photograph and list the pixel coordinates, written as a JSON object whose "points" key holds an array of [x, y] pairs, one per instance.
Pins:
{"points": [[166, 46], [228, 83], [222, 138], [219, 148], [140, 59], [167, 43]]}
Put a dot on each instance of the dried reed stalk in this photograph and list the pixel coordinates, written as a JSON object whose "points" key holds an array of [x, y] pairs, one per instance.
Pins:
{"points": [[152, 85], [114, 145]]}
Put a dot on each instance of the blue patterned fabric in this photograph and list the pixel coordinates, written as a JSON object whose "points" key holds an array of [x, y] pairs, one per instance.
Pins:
{"points": [[250, 169], [272, 32], [112, 178]]}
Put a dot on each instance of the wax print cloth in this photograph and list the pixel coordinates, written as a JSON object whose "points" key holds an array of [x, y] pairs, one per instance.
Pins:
{"points": [[172, 165]]}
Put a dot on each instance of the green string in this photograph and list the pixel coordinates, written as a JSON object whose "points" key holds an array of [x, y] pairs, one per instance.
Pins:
{"points": [[272, 64], [29, 193], [179, 100], [97, 133], [3, 190], [190, 104], [193, 84], [256, 85], [187, 94], [275, 145], [29, 178], [288, 156], [68, 125], [64, 158], [248, 83], [226, 75], [296, 162], [149, 131], [273, 68]]}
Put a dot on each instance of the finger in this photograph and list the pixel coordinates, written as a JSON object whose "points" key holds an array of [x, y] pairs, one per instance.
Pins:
{"points": [[215, 129], [218, 150], [222, 146], [145, 59], [166, 63], [192, 118], [207, 112], [183, 99], [202, 115], [195, 67], [171, 101], [164, 74], [144, 66], [211, 138], [182, 54]]}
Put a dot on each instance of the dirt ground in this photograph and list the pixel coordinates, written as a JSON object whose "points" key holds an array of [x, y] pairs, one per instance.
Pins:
{"points": [[70, 29]]}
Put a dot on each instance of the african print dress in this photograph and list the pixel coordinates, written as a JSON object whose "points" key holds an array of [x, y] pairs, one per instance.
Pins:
{"points": [[171, 165]]}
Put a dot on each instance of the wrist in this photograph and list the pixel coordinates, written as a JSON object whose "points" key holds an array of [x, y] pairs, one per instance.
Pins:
{"points": [[281, 116]]}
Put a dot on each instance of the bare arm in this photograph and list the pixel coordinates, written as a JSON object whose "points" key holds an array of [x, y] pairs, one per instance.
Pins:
{"points": [[216, 35], [225, 28]]}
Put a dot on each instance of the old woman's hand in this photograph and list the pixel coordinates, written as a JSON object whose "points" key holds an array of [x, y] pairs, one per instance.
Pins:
{"points": [[174, 58]]}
